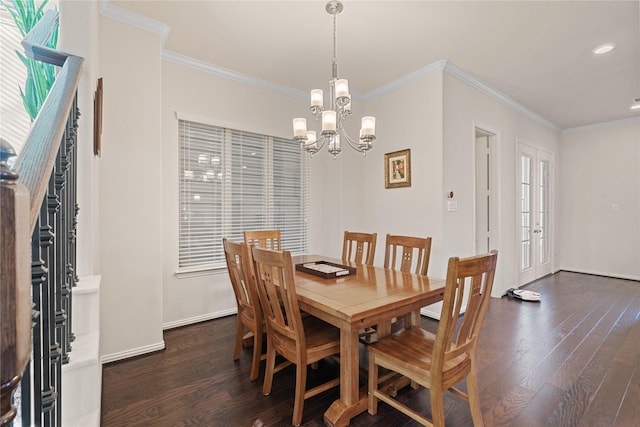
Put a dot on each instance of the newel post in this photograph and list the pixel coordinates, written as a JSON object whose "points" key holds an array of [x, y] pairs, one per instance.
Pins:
{"points": [[15, 282]]}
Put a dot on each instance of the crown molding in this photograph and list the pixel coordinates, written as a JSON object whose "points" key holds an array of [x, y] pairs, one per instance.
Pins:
{"points": [[601, 125], [509, 102], [227, 73], [139, 21], [421, 73]]}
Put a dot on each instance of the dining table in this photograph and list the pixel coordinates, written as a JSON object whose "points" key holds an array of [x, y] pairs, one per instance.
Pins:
{"points": [[371, 297]]}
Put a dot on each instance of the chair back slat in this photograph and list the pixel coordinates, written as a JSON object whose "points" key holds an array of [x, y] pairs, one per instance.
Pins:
{"points": [[469, 284], [238, 260], [276, 291], [407, 251], [359, 248], [270, 239]]}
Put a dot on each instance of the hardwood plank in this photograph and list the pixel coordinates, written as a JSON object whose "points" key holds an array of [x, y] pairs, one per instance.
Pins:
{"points": [[507, 407], [543, 404], [603, 409], [629, 413]]}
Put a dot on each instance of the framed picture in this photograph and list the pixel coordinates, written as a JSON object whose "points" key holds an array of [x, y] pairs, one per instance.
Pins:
{"points": [[397, 169], [97, 119]]}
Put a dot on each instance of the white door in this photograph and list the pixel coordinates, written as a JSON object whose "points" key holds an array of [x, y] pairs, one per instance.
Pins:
{"points": [[534, 234], [484, 192]]}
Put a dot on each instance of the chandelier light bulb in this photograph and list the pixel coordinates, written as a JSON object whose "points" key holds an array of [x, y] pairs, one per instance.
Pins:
{"points": [[299, 127], [342, 88], [329, 121], [311, 144], [317, 99], [368, 126], [311, 137]]}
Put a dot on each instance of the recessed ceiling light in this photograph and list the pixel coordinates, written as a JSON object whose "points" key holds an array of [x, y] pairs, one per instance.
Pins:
{"points": [[605, 48], [636, 104]]}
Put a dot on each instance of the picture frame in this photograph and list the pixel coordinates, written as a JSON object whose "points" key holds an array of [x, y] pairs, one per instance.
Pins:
{"points": [[397, 169], [97, 119]]}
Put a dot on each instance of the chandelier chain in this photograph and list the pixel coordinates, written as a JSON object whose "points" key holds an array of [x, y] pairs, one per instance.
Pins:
{"points": [[334, 69]]}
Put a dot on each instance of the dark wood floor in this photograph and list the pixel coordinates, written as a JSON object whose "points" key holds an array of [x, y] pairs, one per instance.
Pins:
{"points": [[571, 360]]}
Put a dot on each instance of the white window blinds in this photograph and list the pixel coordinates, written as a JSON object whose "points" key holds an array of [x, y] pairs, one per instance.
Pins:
{"points": [[232, 181], [14, 120]]}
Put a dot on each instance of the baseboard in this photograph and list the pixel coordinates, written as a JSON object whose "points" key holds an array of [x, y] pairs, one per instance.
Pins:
{"points": [[430, 312], [87, 284], [601, 273], [85, 351], [114, 357], [89, 420], [198, 319]]}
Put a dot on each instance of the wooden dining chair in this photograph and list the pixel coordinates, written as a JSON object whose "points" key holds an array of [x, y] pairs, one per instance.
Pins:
{"points": [[402, 251], [440, 361], [300, 340], [269, 239], [249, 313], [359, 247]]}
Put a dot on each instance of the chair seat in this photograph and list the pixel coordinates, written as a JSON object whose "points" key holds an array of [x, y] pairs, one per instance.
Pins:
{"points": [[413, 349], [321, 335], [322, 340]]}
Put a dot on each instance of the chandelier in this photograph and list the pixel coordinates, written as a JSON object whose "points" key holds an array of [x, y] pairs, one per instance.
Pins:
{"points": [[334, 116]]}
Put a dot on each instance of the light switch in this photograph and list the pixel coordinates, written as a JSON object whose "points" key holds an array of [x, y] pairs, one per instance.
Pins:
{"points": [[452, 206], [615, 207]]}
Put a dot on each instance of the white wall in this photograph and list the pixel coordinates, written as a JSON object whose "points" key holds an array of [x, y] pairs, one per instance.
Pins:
{"points": [[600, 168], [131, 179], [407, 117], [79, 23], [464, 108]]}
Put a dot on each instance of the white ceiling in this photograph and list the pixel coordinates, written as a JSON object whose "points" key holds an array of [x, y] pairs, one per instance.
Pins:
{"points": [[539, 53]]}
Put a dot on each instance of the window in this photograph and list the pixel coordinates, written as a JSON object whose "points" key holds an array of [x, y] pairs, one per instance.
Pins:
{"points": [[14, 119], [231, 181]]}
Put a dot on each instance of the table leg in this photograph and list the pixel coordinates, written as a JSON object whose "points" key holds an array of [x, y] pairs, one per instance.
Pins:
{"points": [[351, 402]]}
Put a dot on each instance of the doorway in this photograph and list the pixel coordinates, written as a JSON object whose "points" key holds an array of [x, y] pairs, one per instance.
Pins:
{"points": [[484, 191], [534, 186]]}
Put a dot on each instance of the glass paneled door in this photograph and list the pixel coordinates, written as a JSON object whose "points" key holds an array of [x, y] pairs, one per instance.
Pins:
{"points": [[534, 234]]}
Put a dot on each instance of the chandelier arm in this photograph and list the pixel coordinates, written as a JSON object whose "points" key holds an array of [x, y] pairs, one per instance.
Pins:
{"points": [[322, 141], [315, 148], [354, 143]]}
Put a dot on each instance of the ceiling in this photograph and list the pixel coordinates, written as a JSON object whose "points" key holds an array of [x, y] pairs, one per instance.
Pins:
{"points": [[539, 53]]}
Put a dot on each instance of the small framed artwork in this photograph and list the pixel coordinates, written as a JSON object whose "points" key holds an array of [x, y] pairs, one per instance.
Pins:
{"points": [[397, 169], [97, 119]]}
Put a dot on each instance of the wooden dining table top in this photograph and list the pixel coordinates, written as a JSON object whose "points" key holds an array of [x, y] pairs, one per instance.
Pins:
{"points": [[358, 299]]}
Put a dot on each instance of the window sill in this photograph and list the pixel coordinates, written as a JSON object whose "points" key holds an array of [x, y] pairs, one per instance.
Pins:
{"points": [[185, 273]]}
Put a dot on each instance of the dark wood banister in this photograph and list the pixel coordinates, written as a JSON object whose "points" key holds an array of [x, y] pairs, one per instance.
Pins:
{"points": [[22, 193]]}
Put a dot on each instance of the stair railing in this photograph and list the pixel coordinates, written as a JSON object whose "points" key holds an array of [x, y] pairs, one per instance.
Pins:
{"points": [[38, 217]]}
